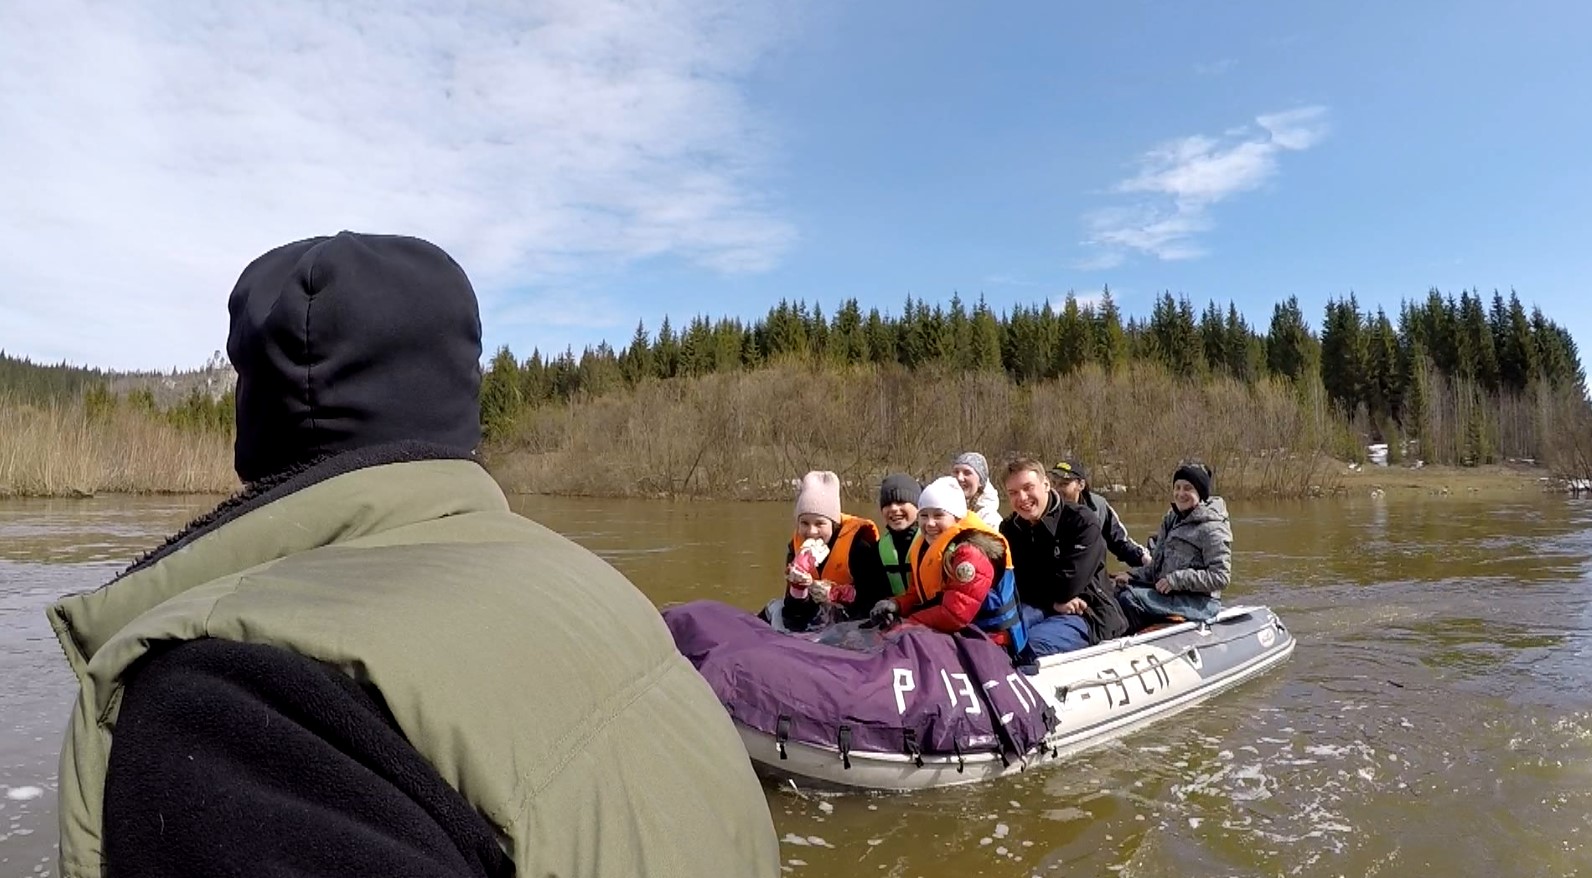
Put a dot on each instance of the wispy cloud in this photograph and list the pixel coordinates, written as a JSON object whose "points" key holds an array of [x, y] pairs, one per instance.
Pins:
{"points": [[1058, 302], [1006, 279], [1179, 182], [1215, 68], [150, 154]]}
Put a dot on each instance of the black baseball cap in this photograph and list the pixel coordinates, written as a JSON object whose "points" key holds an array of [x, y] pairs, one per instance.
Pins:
{"points": [[1069, 468]]}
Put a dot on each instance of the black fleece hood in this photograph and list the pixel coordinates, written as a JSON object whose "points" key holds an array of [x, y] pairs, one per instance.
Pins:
{"points": [[351, 341]]}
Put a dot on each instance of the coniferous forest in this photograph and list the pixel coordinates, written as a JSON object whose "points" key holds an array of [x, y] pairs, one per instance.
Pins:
{"points": [[1445, 381], [725, 407]]}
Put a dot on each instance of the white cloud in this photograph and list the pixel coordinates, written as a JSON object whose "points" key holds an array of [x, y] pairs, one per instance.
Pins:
{"points": [[1180, 181], [1006, 279], [1296, 129], [151, 152], [1215, 68], [1058, 302]]}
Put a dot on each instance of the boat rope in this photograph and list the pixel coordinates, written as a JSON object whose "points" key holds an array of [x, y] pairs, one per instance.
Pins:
{"points": [[909, 743], [1191, 654], [782, 734]]}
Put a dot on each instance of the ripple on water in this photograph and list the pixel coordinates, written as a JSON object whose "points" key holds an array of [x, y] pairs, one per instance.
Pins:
{"points": [[1438, 684]]}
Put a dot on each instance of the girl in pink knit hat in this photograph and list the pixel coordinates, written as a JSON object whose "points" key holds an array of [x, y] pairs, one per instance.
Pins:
{"points": [[832, 564]]}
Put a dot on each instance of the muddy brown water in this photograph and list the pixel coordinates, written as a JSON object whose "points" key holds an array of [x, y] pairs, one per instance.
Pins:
{"points": [[1436, 716]]}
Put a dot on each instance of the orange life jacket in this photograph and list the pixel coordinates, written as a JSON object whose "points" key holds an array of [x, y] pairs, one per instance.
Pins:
{"points": [[1000, 615], [928, 562], [837, 567]]}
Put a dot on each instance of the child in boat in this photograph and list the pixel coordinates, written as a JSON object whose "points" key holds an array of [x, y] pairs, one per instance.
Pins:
{"points": [[898, 509], [961, 572], [1191, 558], [832, 563], [971, 471]]}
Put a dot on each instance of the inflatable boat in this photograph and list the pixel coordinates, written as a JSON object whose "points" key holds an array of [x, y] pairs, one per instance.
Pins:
{"points": [[855, 708]]}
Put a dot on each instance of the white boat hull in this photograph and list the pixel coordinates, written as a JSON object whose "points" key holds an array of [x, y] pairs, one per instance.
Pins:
{"points": [[1097, 694]]}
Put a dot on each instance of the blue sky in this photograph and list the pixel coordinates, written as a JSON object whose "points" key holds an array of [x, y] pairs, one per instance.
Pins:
{"points": [[596, 162]]}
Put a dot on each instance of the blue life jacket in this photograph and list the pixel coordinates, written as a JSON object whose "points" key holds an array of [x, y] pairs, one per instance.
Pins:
{"points": [[1001, 612]]}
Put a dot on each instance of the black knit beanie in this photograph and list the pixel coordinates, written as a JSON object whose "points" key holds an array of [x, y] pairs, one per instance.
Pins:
{"points": [[351, 341], [1198, 475], [898, 488]]}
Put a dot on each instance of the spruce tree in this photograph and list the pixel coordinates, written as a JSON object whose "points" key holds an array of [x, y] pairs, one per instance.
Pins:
{"points": [[636, 365], [817, 331], [1478, 360], [849, 341], [1517, 356], [1111, 342], [501, 393], [1383, 379], [1288, 341], [985, 341], [1245, 353], [665, 354], [1213, 338], [1072, 338], [881, 336], [1343, 354]]}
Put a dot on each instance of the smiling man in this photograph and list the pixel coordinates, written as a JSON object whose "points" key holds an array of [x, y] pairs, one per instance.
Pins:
{"points": [[1060, 561]]}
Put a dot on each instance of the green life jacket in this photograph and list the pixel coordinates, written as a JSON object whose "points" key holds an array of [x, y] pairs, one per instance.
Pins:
{"points": [[535, 678], [897, 570]]}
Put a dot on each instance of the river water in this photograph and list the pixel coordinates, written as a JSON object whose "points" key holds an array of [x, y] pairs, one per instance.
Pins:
{"points": [[1436, 716]]}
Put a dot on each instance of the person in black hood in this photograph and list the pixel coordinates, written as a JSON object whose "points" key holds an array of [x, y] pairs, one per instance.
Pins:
{"points": [[319, 676], [350, 342]]}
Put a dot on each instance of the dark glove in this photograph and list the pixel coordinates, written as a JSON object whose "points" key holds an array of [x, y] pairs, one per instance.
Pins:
{"points": [[884, 612]]}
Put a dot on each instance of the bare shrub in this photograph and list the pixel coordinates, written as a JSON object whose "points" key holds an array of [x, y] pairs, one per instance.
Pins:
{"points": [[750, 434]]}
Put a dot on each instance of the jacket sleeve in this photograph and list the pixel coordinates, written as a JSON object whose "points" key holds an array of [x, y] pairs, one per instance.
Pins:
{"points": [[960, 600], [869, 585], [234, 756], [1216, 547], [1081, 552], [797, 612], [1117, 539], [1151, 572], [1024, 568]]}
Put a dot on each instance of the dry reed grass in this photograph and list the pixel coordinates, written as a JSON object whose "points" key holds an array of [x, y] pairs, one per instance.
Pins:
{"points": [[61, 449], [748, 435]]}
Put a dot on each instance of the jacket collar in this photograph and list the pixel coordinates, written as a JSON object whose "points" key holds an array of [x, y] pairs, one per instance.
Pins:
{"points": [[341, 498]]}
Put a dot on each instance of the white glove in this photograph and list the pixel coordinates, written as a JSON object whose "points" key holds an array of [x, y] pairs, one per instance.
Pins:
{"points": [[818, 589], [816, 548]]}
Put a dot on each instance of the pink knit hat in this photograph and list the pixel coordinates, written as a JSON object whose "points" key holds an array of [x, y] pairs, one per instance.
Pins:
{"points": [[820, 495]]}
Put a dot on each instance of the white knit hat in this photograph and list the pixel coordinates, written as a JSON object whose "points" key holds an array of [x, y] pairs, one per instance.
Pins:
{"points": [[819, 494], [944, 493]]}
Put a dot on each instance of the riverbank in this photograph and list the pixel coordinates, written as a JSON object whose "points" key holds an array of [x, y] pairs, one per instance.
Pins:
{"points": [[1490, 481], [1333, 478], [747, 437]]}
